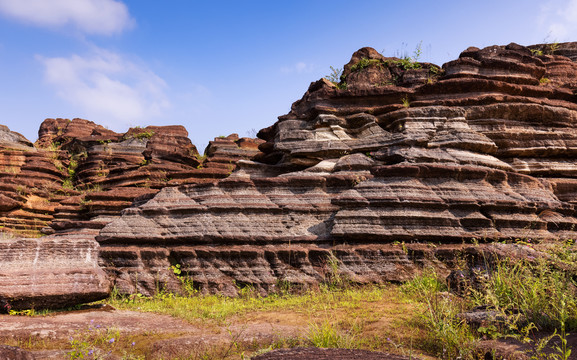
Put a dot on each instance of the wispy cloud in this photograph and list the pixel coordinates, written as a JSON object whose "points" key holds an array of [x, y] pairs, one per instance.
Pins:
{"points": [[299, 67], [559, 19], [104, 17], [107, 87]]}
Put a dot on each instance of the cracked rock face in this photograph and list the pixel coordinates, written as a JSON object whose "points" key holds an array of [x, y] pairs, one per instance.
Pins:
{"points": [[51, 272], [483, 148]]}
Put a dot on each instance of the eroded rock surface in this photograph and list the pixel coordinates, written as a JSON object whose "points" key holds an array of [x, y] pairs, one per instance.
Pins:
{"points": [[483, 148], [352, 182], [71, 183], [15, 353], [79, 175], [327, 354], [51, 272]]}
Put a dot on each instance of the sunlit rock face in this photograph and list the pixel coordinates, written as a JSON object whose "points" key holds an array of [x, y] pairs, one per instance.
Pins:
{"points": [[79, 175], [50, 273], [77, 178], [480, 149]]}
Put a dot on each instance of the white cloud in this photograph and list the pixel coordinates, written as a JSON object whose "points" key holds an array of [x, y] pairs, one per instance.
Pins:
{"points": [[107, 88], [559, 19], [299, 67], [105, 17]]}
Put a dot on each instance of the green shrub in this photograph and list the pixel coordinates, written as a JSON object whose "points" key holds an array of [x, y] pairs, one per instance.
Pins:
{"points": [[335, 75], [365, 63]]}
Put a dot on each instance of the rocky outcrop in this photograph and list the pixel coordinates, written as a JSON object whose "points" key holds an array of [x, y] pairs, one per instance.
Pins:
{"points": [[30, 184], [15, 353], [51, 272], [77, 178], [482, 149], [79, 175], [399, 165]]}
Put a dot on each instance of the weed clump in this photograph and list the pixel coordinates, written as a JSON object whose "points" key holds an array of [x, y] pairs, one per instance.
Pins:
{"points": [[520, 299]]}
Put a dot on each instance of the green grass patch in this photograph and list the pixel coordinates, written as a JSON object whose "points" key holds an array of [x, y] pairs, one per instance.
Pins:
{"points": [[220, 309]]}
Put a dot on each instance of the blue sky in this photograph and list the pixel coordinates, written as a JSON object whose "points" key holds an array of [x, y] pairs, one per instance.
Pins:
{"points": [[226, 66]]}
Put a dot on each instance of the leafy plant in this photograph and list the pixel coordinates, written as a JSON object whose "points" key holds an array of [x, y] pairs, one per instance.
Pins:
{"points": [[26, 312], [405, 101], [553, 47], [147, 134], [365, 63], [335, 75], [537, 52], [408, 62], [68, 184]]}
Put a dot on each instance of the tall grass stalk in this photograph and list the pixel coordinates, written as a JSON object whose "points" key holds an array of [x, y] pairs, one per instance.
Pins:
{"points": [[327, 335], [543, 294], [447, 335]]}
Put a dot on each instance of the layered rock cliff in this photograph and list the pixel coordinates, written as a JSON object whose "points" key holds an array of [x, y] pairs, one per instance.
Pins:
{"points": [[79, 175], [71, 183], [482, 149], [399, 165]]}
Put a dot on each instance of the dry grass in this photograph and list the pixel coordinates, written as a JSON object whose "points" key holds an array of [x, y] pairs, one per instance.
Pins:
{"points": [[373, 318]]}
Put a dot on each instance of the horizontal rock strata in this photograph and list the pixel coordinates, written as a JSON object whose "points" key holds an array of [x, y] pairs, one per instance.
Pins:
{"points": [[51, 272], [482, 149], [77, 178], [398, 166], [79, 175]]}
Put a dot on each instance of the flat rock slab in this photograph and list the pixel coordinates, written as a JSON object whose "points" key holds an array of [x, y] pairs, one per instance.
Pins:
{"points": [[170, 337], [327, 354], [62, 325]]}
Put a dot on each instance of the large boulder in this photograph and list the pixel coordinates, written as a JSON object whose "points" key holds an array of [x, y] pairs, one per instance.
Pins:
{"points": [[50, 272]]}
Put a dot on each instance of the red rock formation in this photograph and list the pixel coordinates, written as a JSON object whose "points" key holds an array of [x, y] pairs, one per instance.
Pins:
{"points": [[30, 184], [480, 150], [107, 171], [77, 179], [51, 272]]}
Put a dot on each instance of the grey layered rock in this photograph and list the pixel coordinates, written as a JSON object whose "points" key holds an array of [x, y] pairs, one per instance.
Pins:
{"points": [[482, 149]]}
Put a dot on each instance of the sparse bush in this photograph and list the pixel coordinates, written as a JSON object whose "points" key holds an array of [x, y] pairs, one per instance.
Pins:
{"points": [[365, 63], [335, 75], [405, 101], [544, 295], [146, 134]]}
